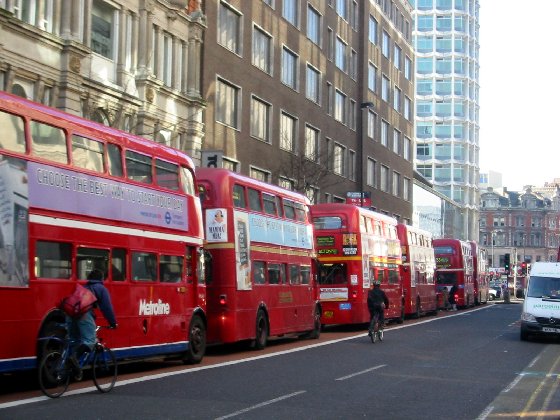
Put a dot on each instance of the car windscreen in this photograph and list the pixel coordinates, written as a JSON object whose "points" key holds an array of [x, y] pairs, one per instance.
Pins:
{"points": [[544, 287]]}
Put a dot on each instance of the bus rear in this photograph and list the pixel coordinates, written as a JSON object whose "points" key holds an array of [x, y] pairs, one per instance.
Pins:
{"points": [[454, 267]]}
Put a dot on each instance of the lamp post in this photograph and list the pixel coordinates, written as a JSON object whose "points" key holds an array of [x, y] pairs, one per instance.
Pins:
{"points": [[363, 106], [492, 235]]}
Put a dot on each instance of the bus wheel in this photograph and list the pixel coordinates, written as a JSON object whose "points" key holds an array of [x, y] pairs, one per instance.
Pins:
{"points": [[316, 331], [400, 319], [261, 336], [197, 341]]}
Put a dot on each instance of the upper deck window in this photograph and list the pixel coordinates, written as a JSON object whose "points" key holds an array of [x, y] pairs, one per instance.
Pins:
{"points": [[443, 250], [114, 160], [12, 133], [327, 222], [138, 167], [167, 175], [239, 196], [87, 154], [48, 142], [187, 181], [254, 200], [270, 206]]}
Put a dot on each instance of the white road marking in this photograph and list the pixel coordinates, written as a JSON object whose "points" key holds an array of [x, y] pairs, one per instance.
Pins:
{"points": [[359, 373], [263, 404]]}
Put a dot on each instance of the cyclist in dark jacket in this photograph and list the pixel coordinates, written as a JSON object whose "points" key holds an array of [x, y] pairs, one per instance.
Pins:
{"points": [[377, 301], [82, 330]]}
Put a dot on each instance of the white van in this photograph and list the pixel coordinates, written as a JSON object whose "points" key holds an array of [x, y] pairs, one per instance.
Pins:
{"points": [[541, 308]]}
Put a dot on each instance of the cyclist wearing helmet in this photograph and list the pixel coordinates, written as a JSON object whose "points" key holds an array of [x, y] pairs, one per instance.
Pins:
{"points": [[377, 301]]}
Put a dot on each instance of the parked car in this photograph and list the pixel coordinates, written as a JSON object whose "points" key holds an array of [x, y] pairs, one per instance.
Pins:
{"points": [[495, 292], [492, 293]]}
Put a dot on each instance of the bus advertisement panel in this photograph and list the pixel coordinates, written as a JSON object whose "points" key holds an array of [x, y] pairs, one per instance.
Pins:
{"points": [[77, 196], [417, 271], [260, 257], [355, 247], [454, 267]]}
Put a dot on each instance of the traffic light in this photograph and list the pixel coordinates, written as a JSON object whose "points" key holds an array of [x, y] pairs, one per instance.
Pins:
{"points": [[506, 263], [524, 268]]}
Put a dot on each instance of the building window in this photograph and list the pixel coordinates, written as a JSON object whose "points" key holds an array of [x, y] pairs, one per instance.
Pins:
{"points": [[384, 178], [385, 47], [371, 173], [311, 143], [313, 83], [262, 50], [407, 108], [384, 133], [397, 99], [103, 33], [372, 77], [396, 141], [313, 25], [260, 119], [371, 123], [288, 128], [227, 103], [286, 183], [352, 165], [397, 56], [290, 10], [372, 30], [396, 184], [385, 88], [289, 68], [340, 55], [338, 159], [340, 107], [229, 28], [406, 189], [259, 174], [167, 60], [407, 146]]}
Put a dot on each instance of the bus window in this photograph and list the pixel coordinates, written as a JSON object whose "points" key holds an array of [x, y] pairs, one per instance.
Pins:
{"points": [[289, 211], [89, 258], [48, 142], [269, 202], [327, 222], [274, 273], [87, 154], [446, 278], [305, 274], [258, 272], [379, 277], [12, 133], [254, 200], [300, 212], [53, 260], [114, 160], [138, 167], [170, 268], [239, 196], [167, 175], [187, 181], [294, 274], [333, 274], [144, 266], [118, 264]]}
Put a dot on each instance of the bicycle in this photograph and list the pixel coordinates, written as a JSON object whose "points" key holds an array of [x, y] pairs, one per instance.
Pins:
{"points": [[56, 370], [377, 333]]}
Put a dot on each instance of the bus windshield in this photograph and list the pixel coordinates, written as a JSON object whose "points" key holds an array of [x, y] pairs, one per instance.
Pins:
{"points": [[544, 287]]}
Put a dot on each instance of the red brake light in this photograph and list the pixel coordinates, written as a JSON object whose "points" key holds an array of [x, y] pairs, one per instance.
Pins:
{"points": [[223, 300]]}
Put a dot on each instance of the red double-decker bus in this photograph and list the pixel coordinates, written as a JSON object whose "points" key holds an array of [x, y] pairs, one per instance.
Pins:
{"points": [[481, 276], [355, 247], [454, 266], [76, 195], [417, 270], [260, 244]]}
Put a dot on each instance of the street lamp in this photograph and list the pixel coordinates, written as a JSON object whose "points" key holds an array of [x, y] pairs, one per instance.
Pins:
{"points": [[492, 234], [366, 106]]}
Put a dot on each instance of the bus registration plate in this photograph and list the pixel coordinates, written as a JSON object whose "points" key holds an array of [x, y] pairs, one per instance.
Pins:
{"points": [[329, 314], [345, 306], [552, 330]]}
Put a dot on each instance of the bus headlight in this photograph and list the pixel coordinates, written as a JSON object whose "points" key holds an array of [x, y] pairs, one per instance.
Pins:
{"points": [[528, 317]]}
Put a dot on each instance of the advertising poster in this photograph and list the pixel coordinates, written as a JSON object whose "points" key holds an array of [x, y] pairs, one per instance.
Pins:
{"points": [[216, 225], [242, 253]]}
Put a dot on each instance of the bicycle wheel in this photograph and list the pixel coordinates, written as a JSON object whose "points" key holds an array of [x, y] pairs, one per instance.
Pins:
{"points": [[54, 375], [104, 369]]}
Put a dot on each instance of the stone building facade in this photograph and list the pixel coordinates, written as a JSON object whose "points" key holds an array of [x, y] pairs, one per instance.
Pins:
{"points": [[524, 224], [132, 65]]}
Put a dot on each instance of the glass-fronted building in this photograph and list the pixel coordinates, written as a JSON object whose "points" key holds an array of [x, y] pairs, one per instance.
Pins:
{"points": [[446, 39]]}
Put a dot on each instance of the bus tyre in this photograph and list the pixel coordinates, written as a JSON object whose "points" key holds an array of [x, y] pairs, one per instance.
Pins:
{"points": [[261, 333], [197, 341], [316, 331]]}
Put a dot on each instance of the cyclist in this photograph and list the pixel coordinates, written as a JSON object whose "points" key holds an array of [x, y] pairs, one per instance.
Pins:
{"points": [[82, 330], [377, 301]]}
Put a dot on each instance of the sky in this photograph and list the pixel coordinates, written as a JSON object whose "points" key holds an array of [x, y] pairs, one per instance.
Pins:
{"points": [[520, 91]]}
